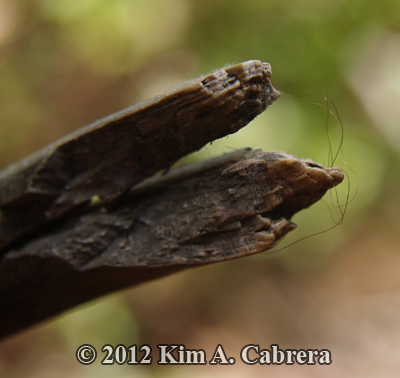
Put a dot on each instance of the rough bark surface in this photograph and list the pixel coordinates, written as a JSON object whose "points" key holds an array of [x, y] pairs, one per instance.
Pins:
{"points": [[73, 225], [229, 207], [111, 155]]}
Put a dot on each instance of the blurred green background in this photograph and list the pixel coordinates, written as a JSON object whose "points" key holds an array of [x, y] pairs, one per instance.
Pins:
{"points": [[66, 63]]}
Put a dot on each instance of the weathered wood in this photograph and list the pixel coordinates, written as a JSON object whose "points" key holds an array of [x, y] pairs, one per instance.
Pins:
{"points": [[109, 156], [229, 207], [59, 248]]}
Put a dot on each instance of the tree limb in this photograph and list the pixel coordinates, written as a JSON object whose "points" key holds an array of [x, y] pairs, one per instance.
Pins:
{"points": [[226, 208], [111, 155], [73, 225]]}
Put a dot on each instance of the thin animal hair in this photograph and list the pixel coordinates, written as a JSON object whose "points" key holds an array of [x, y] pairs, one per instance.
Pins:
{"points": [[131, 79], [331, 160]]}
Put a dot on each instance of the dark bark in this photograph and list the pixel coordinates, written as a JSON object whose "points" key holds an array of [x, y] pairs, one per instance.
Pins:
{"points": [[111, 155], [226, 208], [60, 248]]}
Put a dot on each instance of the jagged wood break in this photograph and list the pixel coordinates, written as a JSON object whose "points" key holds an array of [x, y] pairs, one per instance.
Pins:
{"points": [[109, 156], [58, 252], [229, 207]]}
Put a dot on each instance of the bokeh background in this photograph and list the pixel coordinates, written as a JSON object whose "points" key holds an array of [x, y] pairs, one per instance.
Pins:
{"points": [[66, 63]]}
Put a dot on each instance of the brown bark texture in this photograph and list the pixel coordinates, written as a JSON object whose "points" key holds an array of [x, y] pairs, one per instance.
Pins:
{"points": [[60, 249]]}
